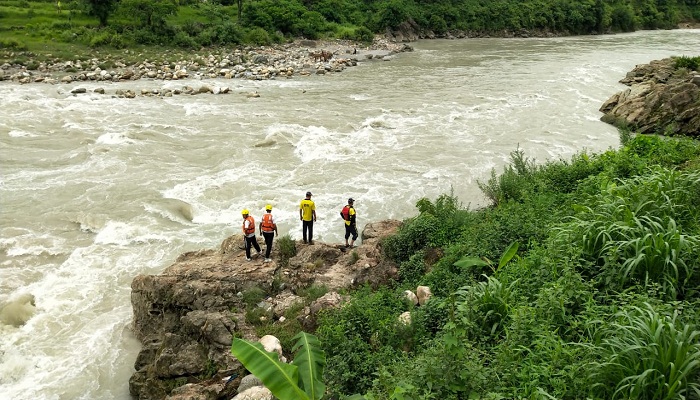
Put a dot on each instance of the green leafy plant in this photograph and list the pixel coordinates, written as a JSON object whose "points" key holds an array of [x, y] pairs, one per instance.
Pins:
{"points": [[299, 380], [470, 261]]}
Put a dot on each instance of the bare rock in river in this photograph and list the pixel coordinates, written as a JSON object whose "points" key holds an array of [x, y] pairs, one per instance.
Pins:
{"points": [[186, 316], [660, 100]]}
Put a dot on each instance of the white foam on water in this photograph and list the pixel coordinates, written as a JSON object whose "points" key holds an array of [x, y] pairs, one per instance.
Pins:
{"points": [[360, 97], [124, 234], [117, 138], [20, 133], [31, 243]]}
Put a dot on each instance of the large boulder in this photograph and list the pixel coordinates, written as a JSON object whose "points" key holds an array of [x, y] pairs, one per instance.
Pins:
{"points": [[660, 100]]}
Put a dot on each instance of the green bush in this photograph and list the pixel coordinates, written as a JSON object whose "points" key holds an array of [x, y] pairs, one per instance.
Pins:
{"points": [[184, 40], [312, 292], [257, 36], [689, 63], [515, 181], [287, 248], [412, 270], [12, 44], [361, 336], [251, 297]]}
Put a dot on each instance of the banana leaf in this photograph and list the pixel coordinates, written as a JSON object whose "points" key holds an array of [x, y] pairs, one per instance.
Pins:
{"points": [[310, 360], [282, 379]]}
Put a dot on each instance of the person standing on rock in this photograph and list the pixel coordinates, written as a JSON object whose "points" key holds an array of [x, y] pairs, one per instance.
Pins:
{"points": [[349, 215], [268, 228], [249, 233], [307, 215]]}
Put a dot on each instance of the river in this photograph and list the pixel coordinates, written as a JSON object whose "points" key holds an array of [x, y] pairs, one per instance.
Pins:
{"points": [[96, 189]]}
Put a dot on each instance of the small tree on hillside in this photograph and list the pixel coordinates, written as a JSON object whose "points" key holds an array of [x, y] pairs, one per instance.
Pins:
{"points": [[150, 13], [101, 9]]}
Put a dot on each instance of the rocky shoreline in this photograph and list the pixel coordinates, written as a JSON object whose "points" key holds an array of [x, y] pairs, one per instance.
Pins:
{"points": [[660, 100], [299, 58]]}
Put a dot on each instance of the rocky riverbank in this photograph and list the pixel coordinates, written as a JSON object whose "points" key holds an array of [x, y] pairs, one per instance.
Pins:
{"points": [[187, 316], [299, 58], [660, 100]]}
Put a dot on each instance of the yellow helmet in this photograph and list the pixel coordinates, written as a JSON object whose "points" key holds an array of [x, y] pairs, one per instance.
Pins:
{"points": [[245, 212], [268, 207]]}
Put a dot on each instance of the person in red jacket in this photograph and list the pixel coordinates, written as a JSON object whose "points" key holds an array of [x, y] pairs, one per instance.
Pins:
{"points": [[268, 228], [249, 233], [349, 215]]}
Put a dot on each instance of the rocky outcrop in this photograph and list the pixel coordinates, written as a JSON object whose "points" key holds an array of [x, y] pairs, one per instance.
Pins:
{"points": [[660, 100], [186, 316]]}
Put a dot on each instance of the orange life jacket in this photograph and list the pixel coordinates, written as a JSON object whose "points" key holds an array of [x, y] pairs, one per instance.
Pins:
{"points": [[267, 225], [251, 226]]}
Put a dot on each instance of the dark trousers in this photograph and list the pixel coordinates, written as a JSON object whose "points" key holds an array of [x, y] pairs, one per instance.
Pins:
{"points": [[308, 226], [251, 241], [268, 242], [351, 230]]}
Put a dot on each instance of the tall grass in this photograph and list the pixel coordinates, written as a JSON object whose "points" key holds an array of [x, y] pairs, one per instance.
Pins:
{"points": [[634, 231], [647, 355], [484, 307]]}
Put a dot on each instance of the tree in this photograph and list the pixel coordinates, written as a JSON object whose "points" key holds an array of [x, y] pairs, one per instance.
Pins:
{"points": [[101, 9], [151, 13]]}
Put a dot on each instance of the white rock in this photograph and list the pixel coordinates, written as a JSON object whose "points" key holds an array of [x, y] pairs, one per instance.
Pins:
{"points": [[424, 294], [411, 297], [405, 318]]}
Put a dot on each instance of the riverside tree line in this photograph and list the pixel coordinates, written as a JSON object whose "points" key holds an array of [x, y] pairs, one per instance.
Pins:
{"points": [[196, 23]]}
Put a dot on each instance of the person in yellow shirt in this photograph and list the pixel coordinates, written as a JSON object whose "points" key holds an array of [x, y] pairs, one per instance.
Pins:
{"points": [[307, 215], [349, 215]]}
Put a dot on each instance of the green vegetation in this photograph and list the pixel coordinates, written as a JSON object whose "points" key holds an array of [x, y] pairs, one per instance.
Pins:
{"points": [[689, 63], [595, 293], [76, 26]]}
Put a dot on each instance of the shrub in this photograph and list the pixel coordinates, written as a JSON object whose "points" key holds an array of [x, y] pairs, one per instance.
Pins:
{"points": [[12, 44], [251, 297], [415, 234], [257, 36], [515, 181], [287, 248], [361, 336], [312, 292], [412, 270], [182, 39], [689, 63]]}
